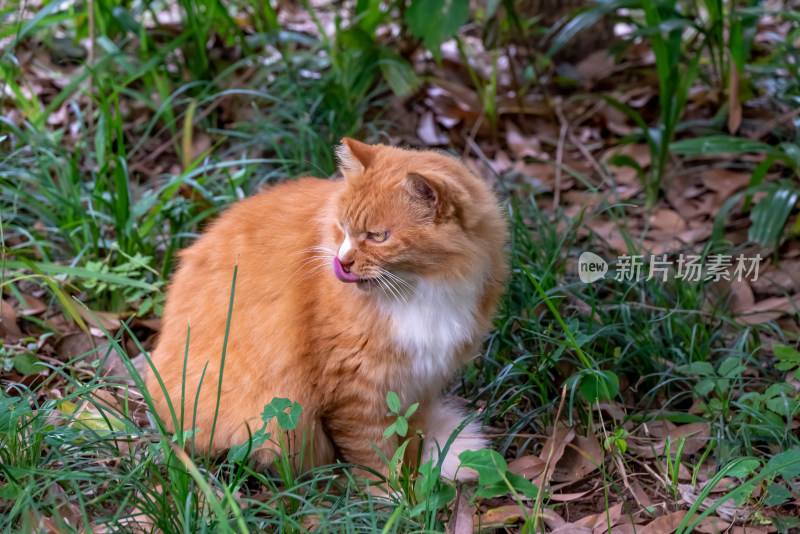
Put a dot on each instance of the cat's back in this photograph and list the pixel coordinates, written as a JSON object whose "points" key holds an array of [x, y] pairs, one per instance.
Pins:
{"points": [[264, 238], [272, 221]]}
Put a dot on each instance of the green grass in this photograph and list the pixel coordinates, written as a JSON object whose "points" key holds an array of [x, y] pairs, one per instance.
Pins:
{"points": [[163, 130]]}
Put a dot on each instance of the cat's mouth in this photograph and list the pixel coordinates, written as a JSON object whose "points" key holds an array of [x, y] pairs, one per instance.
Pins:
{"points": [[342, 275]]}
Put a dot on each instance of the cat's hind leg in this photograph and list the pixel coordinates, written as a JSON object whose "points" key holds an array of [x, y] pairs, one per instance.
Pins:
{"points": [[443, 419]]}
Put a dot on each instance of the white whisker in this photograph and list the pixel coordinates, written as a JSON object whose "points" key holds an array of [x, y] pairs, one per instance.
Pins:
{"points": [[315, 248], [380, 285], [399, 297], [384, 282], [308, 261], [399, 281]]}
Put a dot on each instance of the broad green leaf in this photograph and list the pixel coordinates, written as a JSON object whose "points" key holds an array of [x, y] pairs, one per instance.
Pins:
{"points": [[489, 464], [28, 364], [704, 387], [100, 423], [786, 464], [783, 405], [91, 420], [731, 368], [369, 14], [390, 430], [492, 490], [398, 73], [523, 485], [427, 478], [777, 495], [599, 385], [744, 468], [401, 426], [9, 491], [786, 366], [393, 401], [785, 353], [697, 369], [781, 388], [277, 409], [435, 501], [435, 21], [238, 453]]}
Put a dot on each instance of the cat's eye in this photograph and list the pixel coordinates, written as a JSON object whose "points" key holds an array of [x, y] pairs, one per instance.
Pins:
{"points": [[378, 237]]}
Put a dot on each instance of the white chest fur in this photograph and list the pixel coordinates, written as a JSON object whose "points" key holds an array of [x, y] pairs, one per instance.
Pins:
{"points": [[432, 325]]}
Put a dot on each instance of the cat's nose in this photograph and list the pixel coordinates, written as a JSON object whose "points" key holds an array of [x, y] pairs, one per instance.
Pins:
{"points": [[346, 265]]}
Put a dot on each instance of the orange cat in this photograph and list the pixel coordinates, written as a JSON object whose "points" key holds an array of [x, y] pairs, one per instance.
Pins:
{"points": [[346, 290]]}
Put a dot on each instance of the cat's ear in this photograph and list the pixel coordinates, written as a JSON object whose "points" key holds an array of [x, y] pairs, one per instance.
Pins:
{"points": [[443, 198], [354, 156], [424, 190]]}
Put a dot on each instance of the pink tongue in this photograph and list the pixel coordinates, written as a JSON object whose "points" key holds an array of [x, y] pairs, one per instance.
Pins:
{"points": [[338, 270]]}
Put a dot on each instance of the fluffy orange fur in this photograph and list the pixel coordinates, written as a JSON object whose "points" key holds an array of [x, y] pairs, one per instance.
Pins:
{"points": [[346, 290]]}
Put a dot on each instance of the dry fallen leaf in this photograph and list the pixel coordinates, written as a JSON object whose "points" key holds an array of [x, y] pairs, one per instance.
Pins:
{"points": [[712, 525], [640, 154], [725, 181], [528, 466], [571, 528], [641, 496], [581, 457], [594, 67], [522, 145], [541, 172], [497, 517], [697, 436], [584, 199], [568, 497], [777, 280], [666, 524], [667, 221], [33, 306], [101, 319], [76, 344], [551, 453], [9, 330], [767, 310], [461, 520], [741, 298], [600, 523], [616, 122]]}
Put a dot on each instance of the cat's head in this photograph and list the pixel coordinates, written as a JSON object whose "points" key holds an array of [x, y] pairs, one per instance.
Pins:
{"points": [[413, 215]]}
